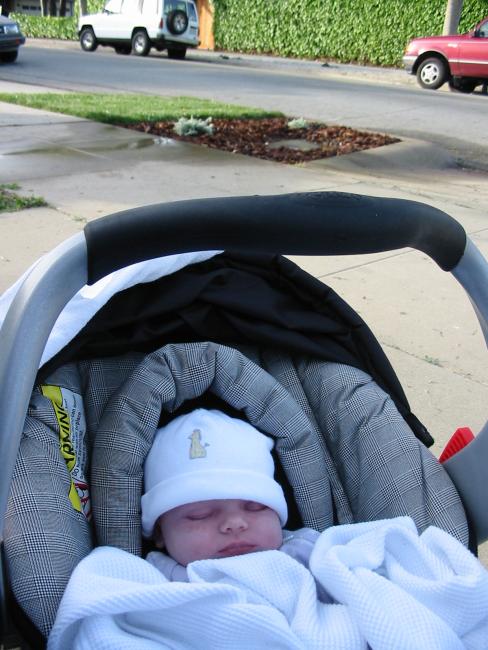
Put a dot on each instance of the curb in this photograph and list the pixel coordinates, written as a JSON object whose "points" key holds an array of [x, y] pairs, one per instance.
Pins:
{"points": [[405, 158]]}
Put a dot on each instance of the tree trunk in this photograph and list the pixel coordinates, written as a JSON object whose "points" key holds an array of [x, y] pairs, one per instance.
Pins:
{"points": [[83, 6], [453, 16], [62, 8]]}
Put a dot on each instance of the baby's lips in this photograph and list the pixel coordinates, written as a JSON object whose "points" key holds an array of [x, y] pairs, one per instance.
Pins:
{"points": [[237, 548]]}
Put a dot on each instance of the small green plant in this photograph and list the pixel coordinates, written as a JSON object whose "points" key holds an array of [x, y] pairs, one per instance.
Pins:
{"points": [[193, 126], [298, 123], [12, 202], [432, 360]]}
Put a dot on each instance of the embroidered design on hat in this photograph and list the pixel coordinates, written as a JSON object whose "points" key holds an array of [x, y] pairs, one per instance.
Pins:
{"points": [[197, 449]]}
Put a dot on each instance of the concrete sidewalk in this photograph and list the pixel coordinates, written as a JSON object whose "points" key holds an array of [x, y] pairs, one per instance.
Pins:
{"points": [[421, 316]]}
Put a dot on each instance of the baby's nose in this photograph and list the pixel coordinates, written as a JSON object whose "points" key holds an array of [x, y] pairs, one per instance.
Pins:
{"points": [[233, 523]]}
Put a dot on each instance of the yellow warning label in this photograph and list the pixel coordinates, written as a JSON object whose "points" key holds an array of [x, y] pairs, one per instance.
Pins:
{"points": [[54, 394]]}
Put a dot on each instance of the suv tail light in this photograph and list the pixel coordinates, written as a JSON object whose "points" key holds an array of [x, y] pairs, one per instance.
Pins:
{"points": [[161, 24]]}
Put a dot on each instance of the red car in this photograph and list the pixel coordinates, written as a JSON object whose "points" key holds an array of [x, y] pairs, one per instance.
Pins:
{"points": [[460, 59]]}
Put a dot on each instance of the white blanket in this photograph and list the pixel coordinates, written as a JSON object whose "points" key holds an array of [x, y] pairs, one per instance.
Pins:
{"points": [[393, 590]]}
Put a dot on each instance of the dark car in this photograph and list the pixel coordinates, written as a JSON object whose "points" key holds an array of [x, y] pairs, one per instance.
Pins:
{"points": [[10, 39], [460, 59]]}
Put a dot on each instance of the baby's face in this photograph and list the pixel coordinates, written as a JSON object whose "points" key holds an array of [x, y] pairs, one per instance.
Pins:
{"points": [[216, 529]]}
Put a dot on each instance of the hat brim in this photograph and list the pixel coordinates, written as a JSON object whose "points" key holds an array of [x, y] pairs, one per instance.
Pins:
{"points": [[208, 485]]}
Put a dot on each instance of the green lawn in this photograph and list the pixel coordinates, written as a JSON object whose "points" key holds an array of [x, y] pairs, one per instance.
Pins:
{"points": [[130, 109]]}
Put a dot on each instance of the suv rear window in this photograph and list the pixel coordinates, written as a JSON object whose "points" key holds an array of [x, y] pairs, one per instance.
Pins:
{"points": [[174, 5]]}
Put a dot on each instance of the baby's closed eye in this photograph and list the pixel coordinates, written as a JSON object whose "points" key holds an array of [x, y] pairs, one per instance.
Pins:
{"points": [[254, 506], [199, 515]]}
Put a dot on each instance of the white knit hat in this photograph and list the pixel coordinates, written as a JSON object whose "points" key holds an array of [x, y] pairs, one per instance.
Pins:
{"points": [[208, 455]]}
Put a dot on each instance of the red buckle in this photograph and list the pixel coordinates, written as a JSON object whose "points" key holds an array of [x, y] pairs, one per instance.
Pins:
{"points": [[462, 437]]}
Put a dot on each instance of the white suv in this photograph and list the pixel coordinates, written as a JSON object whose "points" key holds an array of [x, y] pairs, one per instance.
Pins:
{"points": [[137, 25]]}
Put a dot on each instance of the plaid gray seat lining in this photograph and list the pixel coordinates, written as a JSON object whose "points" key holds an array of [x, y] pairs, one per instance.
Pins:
{"points": [[162, 382], [44, 536], [346, 452]]}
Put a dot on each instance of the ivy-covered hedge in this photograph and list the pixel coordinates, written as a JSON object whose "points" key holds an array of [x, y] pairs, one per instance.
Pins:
{"points": [[54, 27], [47, 27], [370, 31]]}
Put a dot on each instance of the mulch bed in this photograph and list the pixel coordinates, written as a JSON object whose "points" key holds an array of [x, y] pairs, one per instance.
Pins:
{"points": [[253, 137]]}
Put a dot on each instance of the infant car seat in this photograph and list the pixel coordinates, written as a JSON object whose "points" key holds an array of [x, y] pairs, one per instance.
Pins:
{"points": [[245, 330]]}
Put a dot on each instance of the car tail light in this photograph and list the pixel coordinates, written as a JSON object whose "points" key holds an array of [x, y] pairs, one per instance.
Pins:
{"points": [[161, 24]]}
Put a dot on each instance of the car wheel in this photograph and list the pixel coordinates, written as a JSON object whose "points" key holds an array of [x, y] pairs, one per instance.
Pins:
{"points": [[176, 52], [462, 85], [88, 41], [432, 73], [177, 21], [9, 57], [141, 43], [123, 49]]}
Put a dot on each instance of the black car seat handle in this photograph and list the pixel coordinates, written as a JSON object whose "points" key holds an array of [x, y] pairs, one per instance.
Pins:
{"points": [[314, 223]]}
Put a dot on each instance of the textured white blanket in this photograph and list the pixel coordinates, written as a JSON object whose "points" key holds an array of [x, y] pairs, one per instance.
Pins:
{"points": [[393, 589]]}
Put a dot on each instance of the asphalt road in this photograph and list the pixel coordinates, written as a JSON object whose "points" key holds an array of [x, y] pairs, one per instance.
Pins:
{"points": [[454, 121]]}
